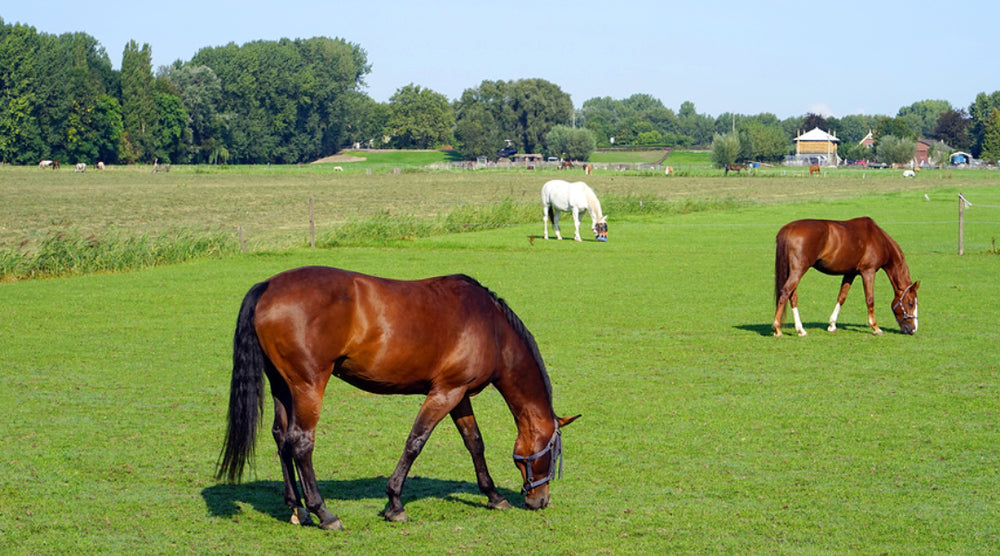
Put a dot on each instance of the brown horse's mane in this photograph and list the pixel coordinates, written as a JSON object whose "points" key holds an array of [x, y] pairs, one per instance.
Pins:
{"points": [[519, 327]]}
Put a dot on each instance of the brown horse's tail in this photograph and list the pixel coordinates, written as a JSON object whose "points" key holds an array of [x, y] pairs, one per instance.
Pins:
{"points": [[781, 269], [246, 392]]}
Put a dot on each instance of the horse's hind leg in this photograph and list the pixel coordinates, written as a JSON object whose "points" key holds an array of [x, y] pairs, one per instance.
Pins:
{"points": [[465, 420], [282, 402], [789, 295], [845, 285], [299, 441]]}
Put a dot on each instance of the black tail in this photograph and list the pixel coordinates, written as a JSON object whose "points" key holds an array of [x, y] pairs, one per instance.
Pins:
{"points": [[246, 392], [552, 214], [781, 269]]}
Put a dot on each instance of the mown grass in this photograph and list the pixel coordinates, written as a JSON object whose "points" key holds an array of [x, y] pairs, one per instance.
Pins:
{"points": [[700, 432]]}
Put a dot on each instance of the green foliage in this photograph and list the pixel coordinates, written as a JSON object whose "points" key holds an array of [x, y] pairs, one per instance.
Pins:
{"points": [[523, 111], [895, 150], [726, 149], [285, 101], [991, 138], [763, 142], [896, 127], [922, 117], [979, 113], [419, 118], [953, 128], [571, 143], [71, 253]]}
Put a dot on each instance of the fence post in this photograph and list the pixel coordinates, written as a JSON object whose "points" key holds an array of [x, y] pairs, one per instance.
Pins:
{"points": [[961, 225], [243, 243], [312, 225]]}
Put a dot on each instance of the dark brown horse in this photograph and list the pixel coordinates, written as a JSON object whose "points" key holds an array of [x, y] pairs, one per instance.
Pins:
{"points": [[845, 248], [734, 168], [447, 338]]}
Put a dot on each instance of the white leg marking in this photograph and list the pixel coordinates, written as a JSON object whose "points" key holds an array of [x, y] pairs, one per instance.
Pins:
{"points": [[833, 319], [798, 322]]}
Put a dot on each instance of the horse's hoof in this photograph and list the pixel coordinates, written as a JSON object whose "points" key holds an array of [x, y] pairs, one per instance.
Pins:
{"points": [[333, 525], [300, 516], [396, 517], [803, 333], [503, 504], [877, 332], [831, 328]]}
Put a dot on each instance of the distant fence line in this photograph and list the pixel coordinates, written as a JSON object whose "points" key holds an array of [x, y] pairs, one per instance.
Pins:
{"points": [[313, 216]]}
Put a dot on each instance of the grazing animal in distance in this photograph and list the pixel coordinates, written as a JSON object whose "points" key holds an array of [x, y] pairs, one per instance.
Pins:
{"points": [[814, 170], [562, 196]]}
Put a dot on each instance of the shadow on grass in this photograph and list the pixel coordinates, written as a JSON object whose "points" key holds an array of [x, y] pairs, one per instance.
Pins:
{"points": [[811, 327], [267, 497]]}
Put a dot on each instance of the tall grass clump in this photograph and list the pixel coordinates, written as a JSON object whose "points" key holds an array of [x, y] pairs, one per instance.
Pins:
{"points": [[70, 252], [386, 228]]}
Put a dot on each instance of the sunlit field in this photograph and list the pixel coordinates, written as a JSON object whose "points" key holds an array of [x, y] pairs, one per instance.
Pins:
{"points": [[700, 431]]}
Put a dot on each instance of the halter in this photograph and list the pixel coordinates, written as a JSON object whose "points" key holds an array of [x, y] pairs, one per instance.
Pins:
{"points": [[906, 315], [554, 446]]}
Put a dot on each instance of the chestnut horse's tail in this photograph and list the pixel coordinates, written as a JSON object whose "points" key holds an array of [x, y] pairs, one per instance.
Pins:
{"points": [[781, 267], [246, 392]]}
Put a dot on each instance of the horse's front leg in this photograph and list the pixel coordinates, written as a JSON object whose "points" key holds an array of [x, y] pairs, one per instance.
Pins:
{"points": [[576, 225], [845, 285], [465, 420], [868, 281], [545, 220], [434, 408]]}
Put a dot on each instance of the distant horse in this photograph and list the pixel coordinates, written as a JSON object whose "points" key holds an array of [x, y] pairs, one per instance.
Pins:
{"points": [[80, 167], [100, 165], [844, 248], [814, 169], [734, 168], [562, 196], [447, 338], [45, 164], [566, 164], [909, 173]]}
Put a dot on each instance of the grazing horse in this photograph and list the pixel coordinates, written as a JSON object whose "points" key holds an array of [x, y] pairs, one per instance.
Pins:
{"points": [[844, 248], [80, 167], [814, 169], [734, 168], [562, 196], [566, 164], [447, 338], [45, 164]]}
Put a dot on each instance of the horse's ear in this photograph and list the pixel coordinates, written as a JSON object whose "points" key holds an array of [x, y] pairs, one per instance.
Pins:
{"points": [[563, 421], [916, 285]]}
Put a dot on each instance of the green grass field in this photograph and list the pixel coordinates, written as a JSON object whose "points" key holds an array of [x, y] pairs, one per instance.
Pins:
{"points": [[700, 431]]}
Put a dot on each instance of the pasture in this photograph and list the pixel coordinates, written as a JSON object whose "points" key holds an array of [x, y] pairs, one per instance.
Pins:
{"points": [[700, 431]]}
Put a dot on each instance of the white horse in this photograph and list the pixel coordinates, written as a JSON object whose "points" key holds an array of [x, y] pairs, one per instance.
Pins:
{"points": [[562, 196], [80, 167]]}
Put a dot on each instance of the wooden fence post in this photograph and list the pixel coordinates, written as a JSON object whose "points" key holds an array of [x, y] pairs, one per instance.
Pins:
{"points": [[312, 225], [962, 204]]}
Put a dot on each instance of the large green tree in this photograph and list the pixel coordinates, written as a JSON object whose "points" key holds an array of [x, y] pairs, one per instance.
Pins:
{"points": [[725, 149], [522, 111], [953, 128], [20, 134], [138, 103], [991, 138], [569, 142], [419, 118], [286, 100], [892, 149], [922, 116], [979, 112]]}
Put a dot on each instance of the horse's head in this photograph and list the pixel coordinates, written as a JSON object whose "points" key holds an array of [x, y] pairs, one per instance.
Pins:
{"points": [[539, 468], [904, 307], [601, 229]]}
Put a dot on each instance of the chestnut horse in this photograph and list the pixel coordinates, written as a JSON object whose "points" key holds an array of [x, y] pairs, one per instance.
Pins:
{"points": [[447, 338], [814, 170], [844, 248]]}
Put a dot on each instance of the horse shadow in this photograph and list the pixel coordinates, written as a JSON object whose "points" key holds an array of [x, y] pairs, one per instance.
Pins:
{"points": [[267, 497], [766, 330]]}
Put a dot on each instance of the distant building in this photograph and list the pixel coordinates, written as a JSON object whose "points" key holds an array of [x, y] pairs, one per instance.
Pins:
{"points": [[814, 147]]}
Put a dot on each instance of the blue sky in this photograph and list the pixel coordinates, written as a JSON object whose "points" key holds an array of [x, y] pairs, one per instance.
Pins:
{"points": [[724, 56]]}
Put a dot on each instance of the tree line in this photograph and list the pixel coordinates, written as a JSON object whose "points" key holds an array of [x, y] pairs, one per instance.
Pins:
{"points": [[298, 100]]}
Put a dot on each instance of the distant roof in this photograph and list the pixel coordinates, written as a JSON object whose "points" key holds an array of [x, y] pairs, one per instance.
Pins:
{"points": [[817, 134]]}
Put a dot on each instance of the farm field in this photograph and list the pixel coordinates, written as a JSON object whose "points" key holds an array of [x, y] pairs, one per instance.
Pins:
{"points": [[700, 431]]}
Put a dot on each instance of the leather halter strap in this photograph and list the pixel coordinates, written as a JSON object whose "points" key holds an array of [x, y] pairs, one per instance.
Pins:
{"points": [[555, 447], [906, 315]]}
